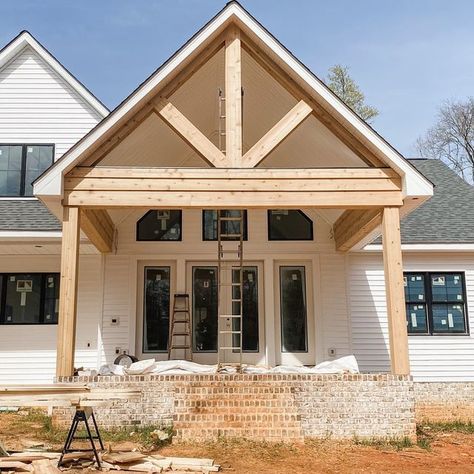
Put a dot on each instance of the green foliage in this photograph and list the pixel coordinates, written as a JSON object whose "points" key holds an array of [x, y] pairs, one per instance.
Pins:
{"points": [[448, 427], [342, 84]]}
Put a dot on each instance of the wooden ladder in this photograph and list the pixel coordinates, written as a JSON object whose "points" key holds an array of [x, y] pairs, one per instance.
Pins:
{"points": [[180, 326], [237, 267]]}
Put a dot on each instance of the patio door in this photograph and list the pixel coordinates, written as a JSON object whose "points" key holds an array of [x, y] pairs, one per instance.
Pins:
{"points": [[203, 281]]}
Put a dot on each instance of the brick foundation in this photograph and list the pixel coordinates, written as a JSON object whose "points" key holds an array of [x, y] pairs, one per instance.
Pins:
{"points": [[444, 401], [283, 407]]}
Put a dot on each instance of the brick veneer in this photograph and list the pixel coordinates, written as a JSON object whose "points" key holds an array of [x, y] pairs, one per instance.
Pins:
{"points": [[444, 401], [283, 407]]}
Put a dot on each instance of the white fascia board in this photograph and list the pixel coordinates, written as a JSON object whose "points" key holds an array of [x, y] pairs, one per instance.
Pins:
{"points": [[424, 248], [25, 39], [30, 235], [414, 183]]}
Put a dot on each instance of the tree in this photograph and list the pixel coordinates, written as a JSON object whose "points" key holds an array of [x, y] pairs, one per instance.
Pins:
{"points": [[342, 84], [451, 139]]}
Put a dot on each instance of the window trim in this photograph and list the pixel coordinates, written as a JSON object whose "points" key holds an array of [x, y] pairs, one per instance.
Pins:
{"points": [[270, 239], [429, 304], [137, 239], [41, 322], [23, 167], [203, 227]]}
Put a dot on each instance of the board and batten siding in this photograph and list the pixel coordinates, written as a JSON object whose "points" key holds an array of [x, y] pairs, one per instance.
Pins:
{"points": [[38, 106], [432, 358], [28, 352]]}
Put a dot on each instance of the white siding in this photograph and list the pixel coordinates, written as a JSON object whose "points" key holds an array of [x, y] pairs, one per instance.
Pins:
{"points": [[432, 358], [27, 353], [38, 106]]}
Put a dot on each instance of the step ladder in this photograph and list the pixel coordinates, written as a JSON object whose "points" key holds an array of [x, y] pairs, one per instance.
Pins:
{"points": [[180, 326], [234, 247]]}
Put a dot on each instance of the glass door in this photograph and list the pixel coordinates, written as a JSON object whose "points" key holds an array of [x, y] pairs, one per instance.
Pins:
{"points": [[294, 315], [154, 310], [205, 313]]}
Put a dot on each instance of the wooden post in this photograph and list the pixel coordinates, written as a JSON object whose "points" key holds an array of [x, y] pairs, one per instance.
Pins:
{"points": [[233, 98], [68, 292], [396, 312]]}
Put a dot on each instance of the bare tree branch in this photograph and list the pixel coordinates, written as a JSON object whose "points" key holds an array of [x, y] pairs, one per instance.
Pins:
{"points": [[451, 139]]}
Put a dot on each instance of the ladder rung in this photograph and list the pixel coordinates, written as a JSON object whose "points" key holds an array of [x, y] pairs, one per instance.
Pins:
{"points": [[230, 348], [177, 310], [230, 332], [236, 300], [180, 347], [230, 218], [231, 235], [230, 284], [180, 321], [235, 316], [181, 295], [180, 334]]}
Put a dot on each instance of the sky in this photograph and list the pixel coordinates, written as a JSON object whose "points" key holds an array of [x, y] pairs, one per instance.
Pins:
{"points": [[408, 56]]}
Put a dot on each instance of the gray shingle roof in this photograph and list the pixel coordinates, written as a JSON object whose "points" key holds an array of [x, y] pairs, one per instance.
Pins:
{"points": [[28, 214], [448, 217]]}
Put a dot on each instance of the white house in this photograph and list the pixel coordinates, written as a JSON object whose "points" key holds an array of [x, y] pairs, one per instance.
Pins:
{"points": [[136, 193]]}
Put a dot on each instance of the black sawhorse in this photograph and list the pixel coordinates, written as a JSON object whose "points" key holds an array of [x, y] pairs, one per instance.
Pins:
{"points": [[83, 414]]}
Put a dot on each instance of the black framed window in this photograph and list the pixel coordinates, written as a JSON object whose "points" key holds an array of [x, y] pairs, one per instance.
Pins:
{"points": [[436, 303], [29, 298], [209, 225], [20, 165], [160, 226], [289, 224]]}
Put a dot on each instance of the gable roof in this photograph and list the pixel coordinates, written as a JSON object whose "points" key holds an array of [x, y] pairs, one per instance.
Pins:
{"points": [[24, 40], [448, 217], [414, 184]]}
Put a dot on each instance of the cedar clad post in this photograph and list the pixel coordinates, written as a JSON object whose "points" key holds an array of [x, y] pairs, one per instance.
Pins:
{"points": [[68, 292], [396, 312]]}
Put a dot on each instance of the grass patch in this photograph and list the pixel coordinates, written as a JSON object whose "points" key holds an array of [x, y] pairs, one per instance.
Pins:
{"points": [[385, 443], [37, 422], [448, 427]]}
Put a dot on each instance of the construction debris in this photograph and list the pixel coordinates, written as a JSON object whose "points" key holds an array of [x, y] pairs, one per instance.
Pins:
{"points": [[117, 462]]}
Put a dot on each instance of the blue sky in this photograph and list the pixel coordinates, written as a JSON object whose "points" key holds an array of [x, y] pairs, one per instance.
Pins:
{"points": [[408, 56]]}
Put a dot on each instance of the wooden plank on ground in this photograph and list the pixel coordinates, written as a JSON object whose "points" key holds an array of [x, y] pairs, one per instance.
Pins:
{"points": [[15, 466], [45, 466], [123, 458]]}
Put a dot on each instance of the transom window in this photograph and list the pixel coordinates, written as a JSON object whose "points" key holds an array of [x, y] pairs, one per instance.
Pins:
{"points": [[160, 225], [436, 303], [209, 225], [289, 224], [29, 298], [20, 165]]}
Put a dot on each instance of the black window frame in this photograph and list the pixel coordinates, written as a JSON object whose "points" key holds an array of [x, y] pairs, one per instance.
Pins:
{"points": [[270, 239], [137, 237], [429, 303], [203, 226], [3, 292], [23, 167]]}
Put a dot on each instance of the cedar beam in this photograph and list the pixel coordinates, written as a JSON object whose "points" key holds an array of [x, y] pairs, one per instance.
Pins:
{"points": [[233, 97], [233, 199], [277, 134], [99, 228], [68, 292], [190, 134], [354, 225], [395, 295]]}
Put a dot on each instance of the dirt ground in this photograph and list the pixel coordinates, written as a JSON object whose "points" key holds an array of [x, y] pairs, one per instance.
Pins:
{"points": [[442, 452]]}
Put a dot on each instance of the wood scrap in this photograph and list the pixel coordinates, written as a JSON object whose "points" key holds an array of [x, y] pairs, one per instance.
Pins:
{"points": [[45, 466], [78, 455], [123, 458], [23, 457], [3, 451], [15, 465]]}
